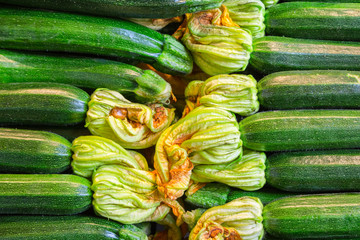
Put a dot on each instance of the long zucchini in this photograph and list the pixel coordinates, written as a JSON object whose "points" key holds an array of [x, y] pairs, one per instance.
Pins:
{"points": [[315, 20], [274, 54], [310, 89], [29, 151], [85, 72], [301, 130], [44, 194], [36, 30], [317, 216], [42, 104]]}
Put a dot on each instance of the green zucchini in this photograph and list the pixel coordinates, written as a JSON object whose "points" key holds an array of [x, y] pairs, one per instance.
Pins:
{"points": [[42, 103], [45, 194], [301, 130], [33, 227], [315, 20], [275, 54], [315, 171], [84, 72], [28, 151], [36, 30], [336, 1], [316, 216], [123, 9], [310, 89]]}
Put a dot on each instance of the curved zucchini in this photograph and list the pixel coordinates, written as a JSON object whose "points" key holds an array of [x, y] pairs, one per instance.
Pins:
{"points": [[44, 194], [315, 171], [42, 104], [317, 216], [310, 89], [301, 130], [275, 54], [28, 151], [36, 30]]}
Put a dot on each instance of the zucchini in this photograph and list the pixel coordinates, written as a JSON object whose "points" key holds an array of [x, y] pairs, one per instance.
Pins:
{"points": [[315, 20], [45, 194], [36, 30], [275, 54], [316, 216], [84, 72], [42, 103], [29, 151], [301, 130], [63, 227], [123, 9], [315, 171], [310, 89]]}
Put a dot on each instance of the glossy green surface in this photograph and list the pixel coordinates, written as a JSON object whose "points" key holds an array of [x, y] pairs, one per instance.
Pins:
{"points": [[42, 104], [301, 130], [315, 171], [25, 151], [315, 20], [274, 54], [45, 194], [327, 216], [310, 89]]}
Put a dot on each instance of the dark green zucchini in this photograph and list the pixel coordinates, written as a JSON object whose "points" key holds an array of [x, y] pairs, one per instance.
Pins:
{"points": [[310, 89], [36, 30], [301, 130], [28, 151], [315, 20], [275, 54], [118, 9], [45, 194], [85, 72], [316, 216], [77, 227], [315, 171], [42, 104], [336, 1]]}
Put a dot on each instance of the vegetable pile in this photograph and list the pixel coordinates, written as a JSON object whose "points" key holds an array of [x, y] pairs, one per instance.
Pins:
{"points": [[195, 119]]}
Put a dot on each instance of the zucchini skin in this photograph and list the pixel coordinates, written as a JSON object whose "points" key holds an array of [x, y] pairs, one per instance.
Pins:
{"points": [[315, 171], [44, 194], [125, 9], [42, 103], [315, 216], [275, 54], [52, 152], [286, 130], [314, 20], [308, 89]]}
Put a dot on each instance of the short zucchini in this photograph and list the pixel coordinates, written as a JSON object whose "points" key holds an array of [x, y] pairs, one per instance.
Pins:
{"points": [[30, 151], [44, 194], [42, 103]]}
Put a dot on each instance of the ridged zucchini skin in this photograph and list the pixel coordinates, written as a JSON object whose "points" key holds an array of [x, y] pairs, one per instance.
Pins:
{"points": [[286, 130], [39, 30], [42, 103], [315, 171], [276, 53], [310, 89], [123, 9], [28, 151], [315, 216], [314, 20], [44, 194]]}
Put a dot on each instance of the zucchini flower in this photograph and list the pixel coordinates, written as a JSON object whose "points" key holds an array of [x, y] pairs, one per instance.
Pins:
{"points": [[236, 93], [246, 172], [90, 152], [269, 3], [205, 136], [239, 219], [248, 14], [218, 45], [132, 125], [156, 23]]}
